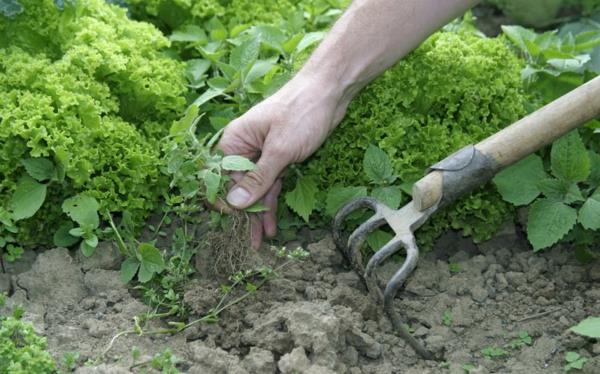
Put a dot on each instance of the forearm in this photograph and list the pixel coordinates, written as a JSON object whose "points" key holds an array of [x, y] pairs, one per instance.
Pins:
{"points": [[370, 37]]}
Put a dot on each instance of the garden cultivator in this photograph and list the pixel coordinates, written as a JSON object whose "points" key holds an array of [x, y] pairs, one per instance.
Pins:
{"points": [[451, 178]]}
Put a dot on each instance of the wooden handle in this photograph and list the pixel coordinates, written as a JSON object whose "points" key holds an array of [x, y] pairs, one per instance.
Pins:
{"points": [[524, 137]]}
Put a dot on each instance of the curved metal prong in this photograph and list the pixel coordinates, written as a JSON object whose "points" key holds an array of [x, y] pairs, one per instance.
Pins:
{"points": [[394, 284], [358, 238], [345, 211]]}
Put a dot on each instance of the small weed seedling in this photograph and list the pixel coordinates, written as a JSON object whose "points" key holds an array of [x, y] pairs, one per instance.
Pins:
{"points": [[523, 340], [574, 361], [248, 282], [164, 362], [494, 352], [468, 368], [447, 318], [454, 268]]}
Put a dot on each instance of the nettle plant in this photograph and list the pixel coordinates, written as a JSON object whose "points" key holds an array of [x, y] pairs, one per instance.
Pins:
{"points": [[558, 60], [564, 197], [29, 196], [377, 167]]}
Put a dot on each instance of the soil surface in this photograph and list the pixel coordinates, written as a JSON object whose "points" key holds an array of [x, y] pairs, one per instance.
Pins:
{"points": [[318, 318]]}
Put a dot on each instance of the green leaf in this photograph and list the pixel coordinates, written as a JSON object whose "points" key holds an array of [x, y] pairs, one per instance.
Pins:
{"points": [[40, 169], [245, 54], [86, 249], [377, 166], [237, 163], [212, 182], [92, 241], [209, 94], [258, 70], [569, 64], [257, 207], [377, 239], [271, 36], [569, 158], [390, 196], [589, 214], [548, 222], [309, 39], [28, 198], [195, 71], [587, 40], [151, 258], [128, 269], [518, 184], [519, 35], [303, 198], [572, 356], [62, 238], [589, 327], [594, 177], [10, 8], [82, 209], [560, 190], [189, 33], [185, 124], [338, 196]]}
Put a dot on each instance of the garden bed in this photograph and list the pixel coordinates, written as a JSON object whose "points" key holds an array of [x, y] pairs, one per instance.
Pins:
{"points": [[496, 307]]}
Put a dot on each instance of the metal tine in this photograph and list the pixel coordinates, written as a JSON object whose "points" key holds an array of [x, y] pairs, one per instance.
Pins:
{"points": [[358, 238], [394, 284], [345, 211]]}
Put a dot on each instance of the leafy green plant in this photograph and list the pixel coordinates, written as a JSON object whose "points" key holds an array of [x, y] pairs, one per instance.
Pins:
{"points": [[447, 318], [589, 327], [562, 198], [494, 352], [468, 368], [558, 60], [164, 361], [106, 115], [542, 13], [83, 210], [417, 116], [141, 258], [22, 351], [523, 340], [243, 285], [574, 361]]}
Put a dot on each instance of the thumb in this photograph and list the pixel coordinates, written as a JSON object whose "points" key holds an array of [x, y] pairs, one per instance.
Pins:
{"points": [[256, 183]]}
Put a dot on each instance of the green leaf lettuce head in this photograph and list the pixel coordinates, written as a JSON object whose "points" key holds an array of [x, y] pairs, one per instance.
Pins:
{"points": [[454, 90], [91, 91]]}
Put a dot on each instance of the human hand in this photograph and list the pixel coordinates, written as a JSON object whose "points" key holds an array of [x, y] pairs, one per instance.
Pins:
{"points": [[285, 128]]}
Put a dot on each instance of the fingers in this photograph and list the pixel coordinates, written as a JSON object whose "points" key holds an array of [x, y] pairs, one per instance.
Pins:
{"points": [[256, 183], [269, 217], [256, 231]]}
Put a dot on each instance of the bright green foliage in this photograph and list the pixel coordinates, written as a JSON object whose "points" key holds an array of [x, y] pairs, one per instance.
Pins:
{"points": [[589, 327], [540, 13], [559, 60], [454, 90], [303, 198], [174, 13], [569, 193], [494, 352], [574, 361], [90, 92], [528, 172], [22, 351]]}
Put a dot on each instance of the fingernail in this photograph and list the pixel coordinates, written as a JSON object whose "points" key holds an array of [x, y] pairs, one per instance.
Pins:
{"points": [[238, 196]]}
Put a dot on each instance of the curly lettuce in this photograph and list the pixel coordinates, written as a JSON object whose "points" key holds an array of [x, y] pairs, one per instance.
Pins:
{"points": [[93, 91], [454, 90]]}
